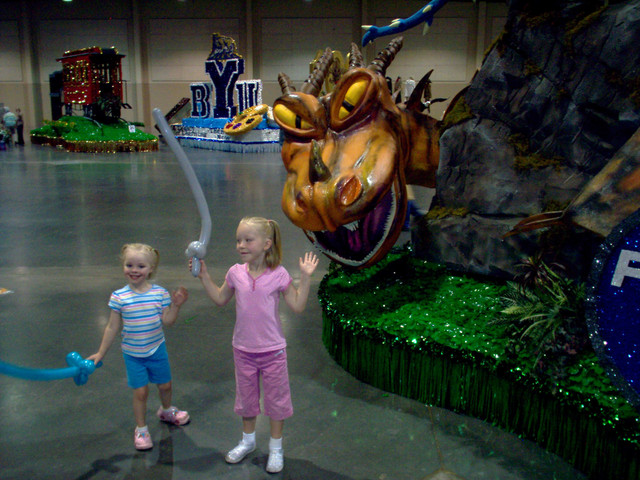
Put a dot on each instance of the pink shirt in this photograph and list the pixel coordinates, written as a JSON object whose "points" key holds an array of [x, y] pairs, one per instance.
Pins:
{"points": [[258, 328]]}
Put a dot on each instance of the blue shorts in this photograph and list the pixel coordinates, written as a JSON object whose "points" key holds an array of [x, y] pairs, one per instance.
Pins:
{"points": [[144, 370]]}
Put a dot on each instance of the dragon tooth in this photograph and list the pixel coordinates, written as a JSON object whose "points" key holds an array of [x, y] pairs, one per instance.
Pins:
{"points": [[353, 226]]}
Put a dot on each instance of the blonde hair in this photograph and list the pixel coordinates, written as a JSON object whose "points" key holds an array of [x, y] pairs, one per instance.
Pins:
{"points": [[271, 230], [149, 251]]}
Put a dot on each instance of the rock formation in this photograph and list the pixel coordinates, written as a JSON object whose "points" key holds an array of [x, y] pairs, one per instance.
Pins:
{"points": [[558, 94]]}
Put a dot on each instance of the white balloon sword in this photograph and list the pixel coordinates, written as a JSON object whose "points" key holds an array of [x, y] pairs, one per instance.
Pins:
{"points": [[196, 249]]}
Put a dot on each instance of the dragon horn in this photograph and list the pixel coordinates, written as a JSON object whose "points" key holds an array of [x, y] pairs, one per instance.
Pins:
{"points": [[318, 171], [285, 84], [355, 59], [385, 57], [423, 86], [313, 84]]}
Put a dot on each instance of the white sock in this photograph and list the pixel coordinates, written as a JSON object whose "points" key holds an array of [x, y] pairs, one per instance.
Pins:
{"points": [[144, 429], [249, 438], [275, 443]]}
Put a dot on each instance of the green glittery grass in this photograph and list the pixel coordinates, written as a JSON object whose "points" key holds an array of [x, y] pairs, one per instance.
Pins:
{"points": [[76, 129], [419, 303], [419, 330], [81, 134]]}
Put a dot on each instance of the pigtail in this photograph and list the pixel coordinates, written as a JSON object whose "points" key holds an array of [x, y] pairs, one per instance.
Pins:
{"points": [[274, 254], [155, 254]]}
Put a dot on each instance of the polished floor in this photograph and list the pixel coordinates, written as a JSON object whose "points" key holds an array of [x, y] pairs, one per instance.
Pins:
{"points": [[63, 218]]}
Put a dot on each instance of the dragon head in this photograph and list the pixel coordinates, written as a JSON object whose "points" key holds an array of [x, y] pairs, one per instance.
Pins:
{"points": [[347, 155]]}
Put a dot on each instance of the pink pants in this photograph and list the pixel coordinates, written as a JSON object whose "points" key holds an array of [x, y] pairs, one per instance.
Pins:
{"points": [[272, 366]]}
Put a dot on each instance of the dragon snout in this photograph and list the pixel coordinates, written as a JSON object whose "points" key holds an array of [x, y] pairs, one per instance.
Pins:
{"points": [[348, 190]]}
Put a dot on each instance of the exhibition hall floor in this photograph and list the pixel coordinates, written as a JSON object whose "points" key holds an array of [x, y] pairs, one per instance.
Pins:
{"points": [[63, 219]]}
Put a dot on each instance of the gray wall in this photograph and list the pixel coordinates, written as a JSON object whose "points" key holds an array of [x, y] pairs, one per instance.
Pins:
{"points": [[167, 42]]}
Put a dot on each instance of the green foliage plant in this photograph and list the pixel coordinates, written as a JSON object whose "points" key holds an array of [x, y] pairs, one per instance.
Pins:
{"points": [[544, 312]]}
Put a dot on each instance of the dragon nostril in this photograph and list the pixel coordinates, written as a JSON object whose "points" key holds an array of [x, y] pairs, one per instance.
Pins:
{"points": [[301, 205], [349, 191]]}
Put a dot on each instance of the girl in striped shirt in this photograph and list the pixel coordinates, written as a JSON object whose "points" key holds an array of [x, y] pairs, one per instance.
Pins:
{"points": [[140, 309]]}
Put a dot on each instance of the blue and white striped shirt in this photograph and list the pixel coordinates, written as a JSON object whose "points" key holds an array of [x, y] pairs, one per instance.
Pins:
{"points": [[141, 316]]}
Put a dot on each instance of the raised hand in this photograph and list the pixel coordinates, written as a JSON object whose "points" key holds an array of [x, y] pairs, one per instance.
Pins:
{"points": [[308, 264], [179, 296]]}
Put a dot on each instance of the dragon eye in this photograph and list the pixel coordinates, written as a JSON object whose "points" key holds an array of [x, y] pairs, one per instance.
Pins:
{"points": [[353, 97], [300, 115], [290, 118]]}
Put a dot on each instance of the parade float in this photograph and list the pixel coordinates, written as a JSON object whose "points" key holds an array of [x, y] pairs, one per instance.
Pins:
{"points": [[217, 122], [93, 96], [514, 302]]}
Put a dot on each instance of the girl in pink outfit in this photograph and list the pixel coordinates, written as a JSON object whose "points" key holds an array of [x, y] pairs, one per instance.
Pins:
{"points": [[259, 346]]}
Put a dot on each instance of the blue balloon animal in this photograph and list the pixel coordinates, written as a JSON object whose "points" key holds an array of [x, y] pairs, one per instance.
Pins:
{"points": [[79, 369]]}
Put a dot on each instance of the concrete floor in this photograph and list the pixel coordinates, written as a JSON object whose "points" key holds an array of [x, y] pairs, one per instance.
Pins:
{"points": [[63, 218]]}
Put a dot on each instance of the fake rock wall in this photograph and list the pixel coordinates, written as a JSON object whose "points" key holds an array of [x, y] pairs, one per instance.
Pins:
{"points": [[561, 88]]}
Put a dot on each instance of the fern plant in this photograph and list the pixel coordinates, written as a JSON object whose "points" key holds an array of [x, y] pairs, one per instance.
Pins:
{"points": [[544, 313]]}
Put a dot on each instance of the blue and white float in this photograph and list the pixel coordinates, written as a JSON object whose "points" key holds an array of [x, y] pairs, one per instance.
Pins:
{"points": [[213, 107]]}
